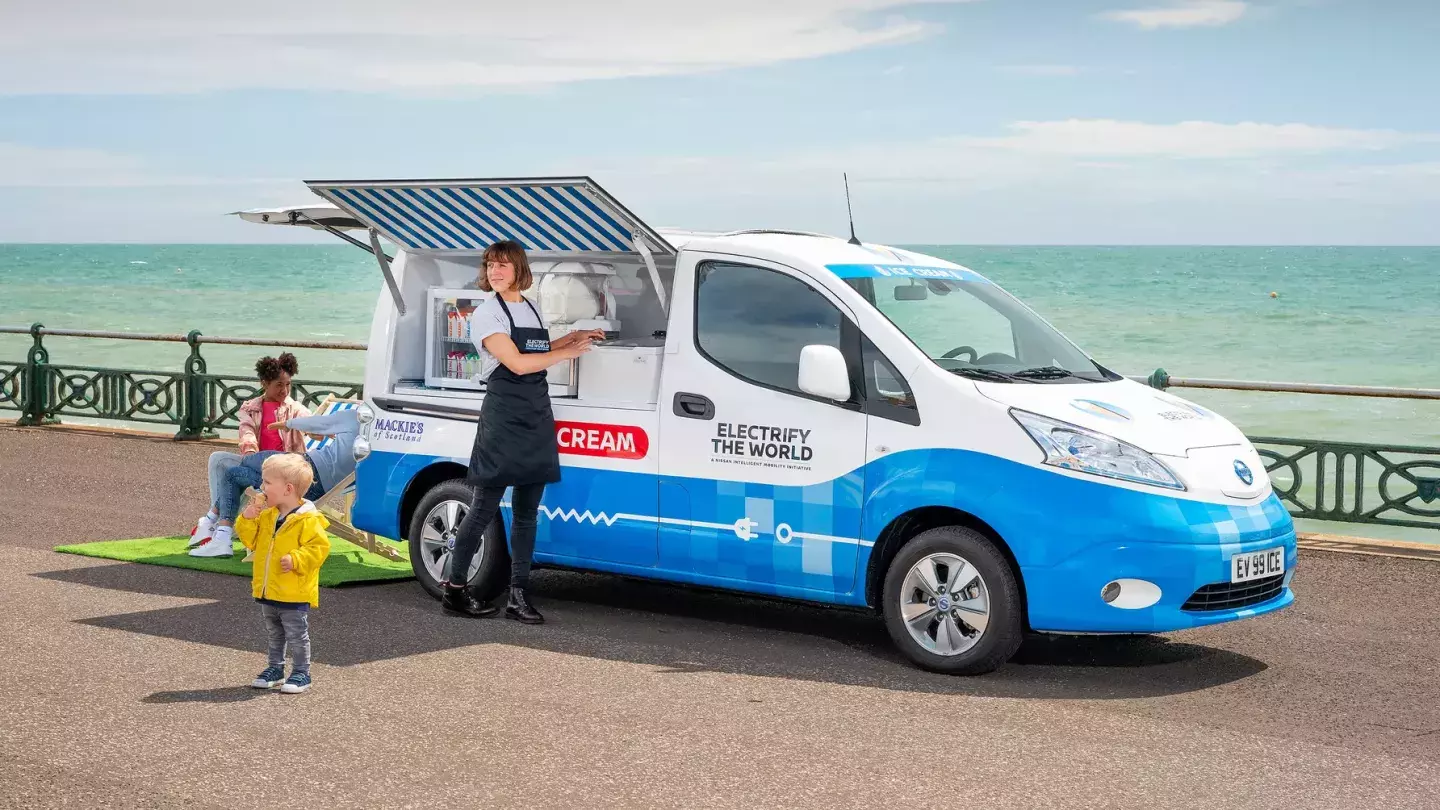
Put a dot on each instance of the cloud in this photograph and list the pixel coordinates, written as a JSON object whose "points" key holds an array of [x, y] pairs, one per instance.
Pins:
{"points": [[176, 46], [1043, 180], [1025, 151], [1076, 181], [1185, 14], [1191, 139], [25, 166], [1041, 70], [22, 165]]}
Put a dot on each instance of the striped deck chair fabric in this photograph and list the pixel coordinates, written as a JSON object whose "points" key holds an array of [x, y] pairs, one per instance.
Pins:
{"points": [[327, 407]]}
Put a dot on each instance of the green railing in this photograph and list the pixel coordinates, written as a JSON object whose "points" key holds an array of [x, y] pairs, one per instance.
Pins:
{"points": [[1347, 482], [196, 401], [1391, 485]]}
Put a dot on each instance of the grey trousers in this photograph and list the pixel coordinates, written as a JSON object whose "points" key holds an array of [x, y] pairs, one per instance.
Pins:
{"points": [[288, 627]]}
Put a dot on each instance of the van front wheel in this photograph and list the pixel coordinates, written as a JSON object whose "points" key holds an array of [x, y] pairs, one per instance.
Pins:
{"points": [[433, 531], [952, 604]]}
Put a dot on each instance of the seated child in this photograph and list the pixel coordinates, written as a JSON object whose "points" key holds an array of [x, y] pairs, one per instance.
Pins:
{"points": [[287, 534], [257, 434]]}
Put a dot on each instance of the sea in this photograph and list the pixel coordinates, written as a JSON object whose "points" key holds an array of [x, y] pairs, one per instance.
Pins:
{"points": [[1347, 315]]}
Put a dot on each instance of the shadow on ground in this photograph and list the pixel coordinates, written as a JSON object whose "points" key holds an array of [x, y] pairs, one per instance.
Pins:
{"points": [[228, 694], [675, 629]]}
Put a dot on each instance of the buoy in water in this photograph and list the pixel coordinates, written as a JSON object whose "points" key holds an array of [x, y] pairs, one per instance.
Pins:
{"points": [[1274, 295]]}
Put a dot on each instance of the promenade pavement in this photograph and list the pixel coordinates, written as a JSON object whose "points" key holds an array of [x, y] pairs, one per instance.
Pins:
{"points": [[127, 687]]}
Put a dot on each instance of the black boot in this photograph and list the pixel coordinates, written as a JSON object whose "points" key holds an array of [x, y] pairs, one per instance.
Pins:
{"points": [[458, 601], [520, 609]]}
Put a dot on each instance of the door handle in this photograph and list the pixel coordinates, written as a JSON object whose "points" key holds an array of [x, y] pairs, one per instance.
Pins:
{"points": [[693, 406]]}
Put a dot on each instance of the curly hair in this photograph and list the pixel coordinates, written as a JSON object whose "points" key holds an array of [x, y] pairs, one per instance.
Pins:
{"points": [[269, 368]]}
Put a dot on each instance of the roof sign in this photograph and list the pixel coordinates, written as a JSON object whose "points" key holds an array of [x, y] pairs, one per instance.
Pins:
{"points": [[903, 271]]}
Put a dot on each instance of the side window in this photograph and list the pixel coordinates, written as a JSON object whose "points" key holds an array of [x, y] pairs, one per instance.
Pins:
{"points": [[887, 394], [753, 322]]}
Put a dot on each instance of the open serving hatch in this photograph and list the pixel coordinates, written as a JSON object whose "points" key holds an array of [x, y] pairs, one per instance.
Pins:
{"points": [[557, 217]]}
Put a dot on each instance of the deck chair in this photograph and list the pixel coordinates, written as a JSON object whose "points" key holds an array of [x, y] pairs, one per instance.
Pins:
{"points": [[337, 502]]}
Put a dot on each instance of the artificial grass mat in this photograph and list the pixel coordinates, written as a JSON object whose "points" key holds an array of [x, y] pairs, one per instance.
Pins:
{"points": [[347, 563]]}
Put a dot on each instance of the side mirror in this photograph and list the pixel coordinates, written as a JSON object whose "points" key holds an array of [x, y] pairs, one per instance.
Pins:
{"points": [[911, 292], [823, 373]]}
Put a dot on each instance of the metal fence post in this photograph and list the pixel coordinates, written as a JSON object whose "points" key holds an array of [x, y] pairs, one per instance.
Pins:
{"points": [[193, 414], [35, 402]]}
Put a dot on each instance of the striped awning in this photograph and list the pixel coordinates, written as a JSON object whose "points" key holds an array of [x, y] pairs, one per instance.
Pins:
{"points": [[553, 215]]}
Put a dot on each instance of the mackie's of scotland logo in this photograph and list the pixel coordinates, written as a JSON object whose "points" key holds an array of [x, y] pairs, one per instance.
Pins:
{"points": [[1243, 473]]}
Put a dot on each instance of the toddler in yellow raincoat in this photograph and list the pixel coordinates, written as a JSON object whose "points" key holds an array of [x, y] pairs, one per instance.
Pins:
{"points": [[287, 534]]}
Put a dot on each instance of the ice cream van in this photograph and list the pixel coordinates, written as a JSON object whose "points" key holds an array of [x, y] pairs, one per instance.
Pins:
{"points": [[800, 416]]}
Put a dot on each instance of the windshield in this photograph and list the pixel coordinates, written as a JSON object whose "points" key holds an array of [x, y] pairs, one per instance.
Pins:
{"points": [[977, 330]]}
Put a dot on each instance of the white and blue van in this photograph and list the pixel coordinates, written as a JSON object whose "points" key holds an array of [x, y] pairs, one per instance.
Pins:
{"points": [[801, 416]]}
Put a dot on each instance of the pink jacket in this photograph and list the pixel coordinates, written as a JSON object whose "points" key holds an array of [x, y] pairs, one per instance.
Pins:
{"points": [[252, 413]]}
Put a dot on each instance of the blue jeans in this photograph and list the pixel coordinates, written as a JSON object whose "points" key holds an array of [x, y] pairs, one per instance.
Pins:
{"points": [[220, 463], [248, 474]]}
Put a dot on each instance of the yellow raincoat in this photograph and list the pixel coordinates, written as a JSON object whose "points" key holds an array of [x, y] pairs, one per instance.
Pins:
{"points": [[303, 537]]}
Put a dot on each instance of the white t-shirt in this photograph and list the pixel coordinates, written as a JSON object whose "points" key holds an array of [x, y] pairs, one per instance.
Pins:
{"points": [[489, 319]]}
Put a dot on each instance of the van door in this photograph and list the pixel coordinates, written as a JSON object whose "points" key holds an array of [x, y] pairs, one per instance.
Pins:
{"points": [[761, 483]]}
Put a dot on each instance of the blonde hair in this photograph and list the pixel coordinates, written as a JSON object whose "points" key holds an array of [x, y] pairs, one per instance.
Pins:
{"points": [[293, 469]]}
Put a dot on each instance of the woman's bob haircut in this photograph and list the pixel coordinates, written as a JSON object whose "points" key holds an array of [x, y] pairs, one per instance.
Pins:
{"points": [[510, 251]]}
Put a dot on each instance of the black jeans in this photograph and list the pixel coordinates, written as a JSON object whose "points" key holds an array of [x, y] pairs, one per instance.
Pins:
{"points": [[524, 504]]}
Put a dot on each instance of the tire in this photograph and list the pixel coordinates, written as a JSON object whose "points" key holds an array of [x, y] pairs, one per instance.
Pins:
{"points": [[907, 589], [443, 507]]}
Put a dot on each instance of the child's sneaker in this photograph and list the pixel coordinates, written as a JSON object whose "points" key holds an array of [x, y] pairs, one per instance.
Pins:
{"points": [[297, 682], [220, 544], [204, 527], [270, 678]]}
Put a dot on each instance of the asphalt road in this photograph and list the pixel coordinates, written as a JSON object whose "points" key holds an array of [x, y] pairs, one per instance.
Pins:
{"points": [[128, 687]]}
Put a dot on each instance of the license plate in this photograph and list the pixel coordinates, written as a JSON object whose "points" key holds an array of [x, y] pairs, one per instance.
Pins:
{"points": [[1257, 564]]}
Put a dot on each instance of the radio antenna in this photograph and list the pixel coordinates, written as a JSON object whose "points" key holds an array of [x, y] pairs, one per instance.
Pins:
{"points": [[849, 212]]}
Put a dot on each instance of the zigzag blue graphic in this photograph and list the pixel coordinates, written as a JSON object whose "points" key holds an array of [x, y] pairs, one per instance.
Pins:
{"points": [[593, 518], [571, 515]]}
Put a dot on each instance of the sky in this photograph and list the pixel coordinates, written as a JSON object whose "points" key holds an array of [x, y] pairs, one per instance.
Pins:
{"points": [[957, 121]]}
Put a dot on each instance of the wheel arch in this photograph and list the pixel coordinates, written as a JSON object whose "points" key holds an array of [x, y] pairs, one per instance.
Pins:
{"points": [[909, 524], [422, 482]]}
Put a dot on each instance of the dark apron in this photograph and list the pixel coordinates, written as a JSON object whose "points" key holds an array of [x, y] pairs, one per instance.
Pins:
{"points": [[515, 443]]}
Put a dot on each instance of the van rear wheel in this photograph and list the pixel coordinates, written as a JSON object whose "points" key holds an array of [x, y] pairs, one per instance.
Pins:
{"points": [[433, 531], [951, 602]]}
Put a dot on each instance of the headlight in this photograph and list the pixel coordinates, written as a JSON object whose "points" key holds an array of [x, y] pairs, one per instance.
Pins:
{"points": [[363, 414], [1072, 447], [361, 448]]}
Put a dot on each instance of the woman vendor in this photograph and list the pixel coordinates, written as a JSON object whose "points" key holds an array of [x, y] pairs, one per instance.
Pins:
{"points": [[515, 444]]}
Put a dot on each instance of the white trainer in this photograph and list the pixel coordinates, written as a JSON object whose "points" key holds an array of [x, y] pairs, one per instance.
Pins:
{"points": [[220, 544], [204, 527]]}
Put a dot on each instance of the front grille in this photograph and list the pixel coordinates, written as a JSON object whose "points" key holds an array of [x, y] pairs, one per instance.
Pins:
{"points": [[1231, 596]]}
